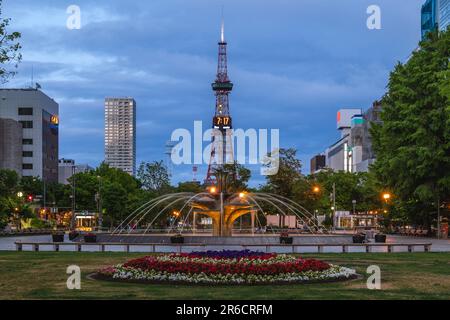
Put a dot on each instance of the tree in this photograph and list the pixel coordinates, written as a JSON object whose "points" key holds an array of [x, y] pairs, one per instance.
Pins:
{"points": [[9, 49], [86, 186], [118, 192], [241, 176], [9, 181], [31, 186], [361, 187], [116, 175], [413, 143], [289, 172], [154, 176], [189, 186], [14, 209], [115, 201]]}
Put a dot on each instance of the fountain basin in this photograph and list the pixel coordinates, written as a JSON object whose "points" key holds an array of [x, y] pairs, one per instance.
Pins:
{"points": [[234, 240]]}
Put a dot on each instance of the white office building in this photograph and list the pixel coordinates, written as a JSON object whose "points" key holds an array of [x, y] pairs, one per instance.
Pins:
{"points": [[353, 151], [29, 133], [120, 134], [339, 156]]}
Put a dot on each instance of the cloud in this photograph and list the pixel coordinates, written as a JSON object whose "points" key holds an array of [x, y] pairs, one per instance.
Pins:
{"points": [[40, 17], [293, 63]]}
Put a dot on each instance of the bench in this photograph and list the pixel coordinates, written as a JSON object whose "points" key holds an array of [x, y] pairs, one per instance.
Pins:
{"points": [[101, 247]]}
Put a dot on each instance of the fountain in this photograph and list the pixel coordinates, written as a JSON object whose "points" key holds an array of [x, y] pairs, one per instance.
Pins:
{"points": [[223, 206], [220, 204]]}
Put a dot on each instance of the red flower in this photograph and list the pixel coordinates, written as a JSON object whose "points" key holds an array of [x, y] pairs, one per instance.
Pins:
{"points": [[216, 267]]}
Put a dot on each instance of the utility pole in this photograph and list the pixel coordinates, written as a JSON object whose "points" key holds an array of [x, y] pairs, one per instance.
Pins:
{"points": [[221, 214], [45, 196], [72, 221], [334, 203], [44, 199], [438, 217], [100, 214]]}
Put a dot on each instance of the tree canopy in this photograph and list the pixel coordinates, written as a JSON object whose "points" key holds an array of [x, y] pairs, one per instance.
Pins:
{"points": [[10, 46], [413, 143], [154, 176], [289, 172]]}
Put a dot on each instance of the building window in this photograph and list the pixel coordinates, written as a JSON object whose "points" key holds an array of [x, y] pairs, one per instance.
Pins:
{"points": [[25, 111], [27, 141], [27, 166], [27, 154], [27, 124]]}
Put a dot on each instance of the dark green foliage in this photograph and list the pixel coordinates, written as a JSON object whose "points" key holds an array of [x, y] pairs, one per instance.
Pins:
{"points": [[189, 187], [289, 173], [154, 176], [239, 177], [9, 181], [413, 144], [10, 55]]}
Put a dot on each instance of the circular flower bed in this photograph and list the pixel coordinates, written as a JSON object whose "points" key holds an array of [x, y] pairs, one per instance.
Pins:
{"points": [[226, 267]]}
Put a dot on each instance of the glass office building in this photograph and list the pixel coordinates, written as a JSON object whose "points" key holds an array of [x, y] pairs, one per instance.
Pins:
{"points": [[429, 17]]}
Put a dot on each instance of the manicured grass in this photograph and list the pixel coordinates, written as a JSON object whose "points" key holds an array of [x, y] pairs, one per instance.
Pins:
{"points": [[42, 275]]}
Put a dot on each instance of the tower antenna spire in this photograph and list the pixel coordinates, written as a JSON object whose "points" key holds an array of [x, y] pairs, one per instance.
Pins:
{"points": [[222, 29]]}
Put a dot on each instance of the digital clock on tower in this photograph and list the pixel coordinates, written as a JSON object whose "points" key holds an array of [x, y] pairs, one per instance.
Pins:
{"points": [[222, 122]]}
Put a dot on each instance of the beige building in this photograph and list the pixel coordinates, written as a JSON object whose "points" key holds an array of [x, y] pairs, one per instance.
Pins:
{"points": [[11, 145]]}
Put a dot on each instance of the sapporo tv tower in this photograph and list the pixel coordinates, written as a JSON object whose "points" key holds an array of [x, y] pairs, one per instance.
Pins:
{"points": [[222, 136]]}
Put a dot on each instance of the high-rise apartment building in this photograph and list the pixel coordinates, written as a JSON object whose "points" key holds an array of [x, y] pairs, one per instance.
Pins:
{"points": [[120, 134], [443, 19], [29, 133]]}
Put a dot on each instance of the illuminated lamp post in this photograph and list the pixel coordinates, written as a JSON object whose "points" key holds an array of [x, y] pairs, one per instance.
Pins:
{"points": [[386, 196]]}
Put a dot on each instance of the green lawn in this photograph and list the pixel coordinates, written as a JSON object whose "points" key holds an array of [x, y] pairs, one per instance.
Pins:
{"points": [[29, 275]]}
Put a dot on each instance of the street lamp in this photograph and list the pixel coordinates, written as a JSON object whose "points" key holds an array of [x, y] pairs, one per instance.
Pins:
{"points": [[72, 198], [386, 196], [20, 194], [334, 203], [316, 189], [100, 213]]}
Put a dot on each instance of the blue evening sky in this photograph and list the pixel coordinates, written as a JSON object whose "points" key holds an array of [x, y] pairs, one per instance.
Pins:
{"points": [[294, 63]]}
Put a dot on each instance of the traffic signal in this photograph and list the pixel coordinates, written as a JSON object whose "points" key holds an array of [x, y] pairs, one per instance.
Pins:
{"points": [[30, 198]]}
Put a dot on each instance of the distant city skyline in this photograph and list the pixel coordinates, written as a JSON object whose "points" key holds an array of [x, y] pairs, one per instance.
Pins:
{"points": [[293, 64]]}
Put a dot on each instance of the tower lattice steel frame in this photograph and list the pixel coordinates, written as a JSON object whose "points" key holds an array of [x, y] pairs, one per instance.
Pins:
{"points": [[222, 136]]}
